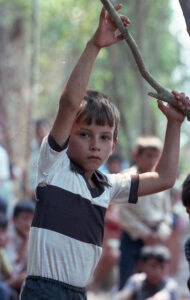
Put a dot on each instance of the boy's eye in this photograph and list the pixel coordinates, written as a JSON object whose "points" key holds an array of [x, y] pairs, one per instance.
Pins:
{"points": [[84, 134], [105, 137]]}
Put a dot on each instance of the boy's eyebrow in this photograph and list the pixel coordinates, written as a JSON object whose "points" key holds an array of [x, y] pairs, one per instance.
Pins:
{"points": [[107, 132], [87, 129]]}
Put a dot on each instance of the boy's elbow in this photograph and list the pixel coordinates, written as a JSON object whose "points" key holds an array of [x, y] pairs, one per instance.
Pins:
{"points": [[168, 183]]}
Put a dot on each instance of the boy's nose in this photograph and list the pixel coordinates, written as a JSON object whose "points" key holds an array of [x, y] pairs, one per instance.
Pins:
{"points": [[94, 146]]}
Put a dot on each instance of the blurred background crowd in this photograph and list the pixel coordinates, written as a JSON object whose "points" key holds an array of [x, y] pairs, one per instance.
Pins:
{"points": [[40, 43]]}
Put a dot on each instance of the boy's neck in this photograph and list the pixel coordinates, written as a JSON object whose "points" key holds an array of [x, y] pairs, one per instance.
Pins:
{"points": [[91, 182], [88, 175]]}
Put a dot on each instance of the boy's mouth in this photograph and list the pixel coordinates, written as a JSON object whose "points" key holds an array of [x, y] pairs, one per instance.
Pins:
{"points": [[95, 158]]}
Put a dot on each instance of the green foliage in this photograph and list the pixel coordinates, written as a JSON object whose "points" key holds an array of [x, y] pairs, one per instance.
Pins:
{"points": [[12, 10], [66, 26]]}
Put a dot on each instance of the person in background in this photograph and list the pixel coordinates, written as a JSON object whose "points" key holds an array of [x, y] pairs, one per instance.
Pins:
{"points": [[3, 206], [6, 183], [106, 272], [18, 242], [153, 282], [41, 129], [114, 163], [149, 221], [6, 292], [179, 224], [186, 194], [186, 204]]}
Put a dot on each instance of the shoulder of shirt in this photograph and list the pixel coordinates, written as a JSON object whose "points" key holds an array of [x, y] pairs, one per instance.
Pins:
{"points": [[171, 283], [3, 151], [138, 277]]}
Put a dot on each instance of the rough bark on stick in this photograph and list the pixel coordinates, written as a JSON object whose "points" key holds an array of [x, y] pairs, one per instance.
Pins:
{"points": [[162, 93], [185, 6]]}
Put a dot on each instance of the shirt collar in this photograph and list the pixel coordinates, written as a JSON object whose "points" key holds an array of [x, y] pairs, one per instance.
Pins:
{"points": [[98, 176]]}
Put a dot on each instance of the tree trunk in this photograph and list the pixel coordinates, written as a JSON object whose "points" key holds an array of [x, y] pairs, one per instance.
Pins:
{"points": [[34, 76], [116, 70], [144, 105], [12, 91]]}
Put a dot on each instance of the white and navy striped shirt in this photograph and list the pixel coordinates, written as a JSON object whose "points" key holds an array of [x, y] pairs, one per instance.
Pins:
{"points": [[67, 230]]}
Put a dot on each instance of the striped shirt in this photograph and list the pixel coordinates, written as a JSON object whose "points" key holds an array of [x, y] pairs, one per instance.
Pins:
{"points": [[67, 230]]}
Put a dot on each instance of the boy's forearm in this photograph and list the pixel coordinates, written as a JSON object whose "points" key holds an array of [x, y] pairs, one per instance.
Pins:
{"points": [[166, 170], [76, 86], [168, 163]]}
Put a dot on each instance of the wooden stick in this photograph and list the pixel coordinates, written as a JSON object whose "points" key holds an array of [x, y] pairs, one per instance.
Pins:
{"points": [[162, 93]]}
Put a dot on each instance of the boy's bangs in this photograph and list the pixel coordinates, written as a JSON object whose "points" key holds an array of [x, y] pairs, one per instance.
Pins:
{"points": [[97, 114]]}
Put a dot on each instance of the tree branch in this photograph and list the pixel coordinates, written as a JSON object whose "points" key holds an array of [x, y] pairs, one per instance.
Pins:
{"points": [[162, 93], [185, 6]]}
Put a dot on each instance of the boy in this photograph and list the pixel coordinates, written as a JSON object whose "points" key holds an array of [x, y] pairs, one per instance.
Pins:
{"points": [[149, 221], [152, 283], [72, 196]]}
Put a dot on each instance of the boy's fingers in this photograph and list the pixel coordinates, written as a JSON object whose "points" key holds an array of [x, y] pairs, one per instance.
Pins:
{"points": [[119, 37], [182, 96], [176, 94], [160, 104], [125, 20], [187, 103], [118, 7], [103, 13]]}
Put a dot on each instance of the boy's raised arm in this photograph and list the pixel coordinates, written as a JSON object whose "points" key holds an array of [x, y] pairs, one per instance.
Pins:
{"points": [[76, 86], [166, 170]]}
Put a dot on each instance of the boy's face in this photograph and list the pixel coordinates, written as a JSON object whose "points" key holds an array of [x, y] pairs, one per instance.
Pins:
{"points": [[90, 145], [3, 237], [22, 223], [155, 271], [147, 159]]}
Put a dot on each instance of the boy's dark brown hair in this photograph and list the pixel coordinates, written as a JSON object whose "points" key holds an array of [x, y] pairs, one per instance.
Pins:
{"points": [[98, 107], [186, 191]]}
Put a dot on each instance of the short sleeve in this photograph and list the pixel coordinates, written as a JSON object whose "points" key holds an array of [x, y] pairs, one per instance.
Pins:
{"points": [[124, 188], [50, 156], [4, 163], [172, 289], [135, 282]]}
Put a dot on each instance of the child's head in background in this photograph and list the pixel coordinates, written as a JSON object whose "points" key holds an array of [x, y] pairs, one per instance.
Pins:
{"points": [[155, 263]]}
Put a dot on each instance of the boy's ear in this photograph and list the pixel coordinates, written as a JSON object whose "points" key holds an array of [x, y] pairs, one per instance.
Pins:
{"points": [[114, 145]]}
